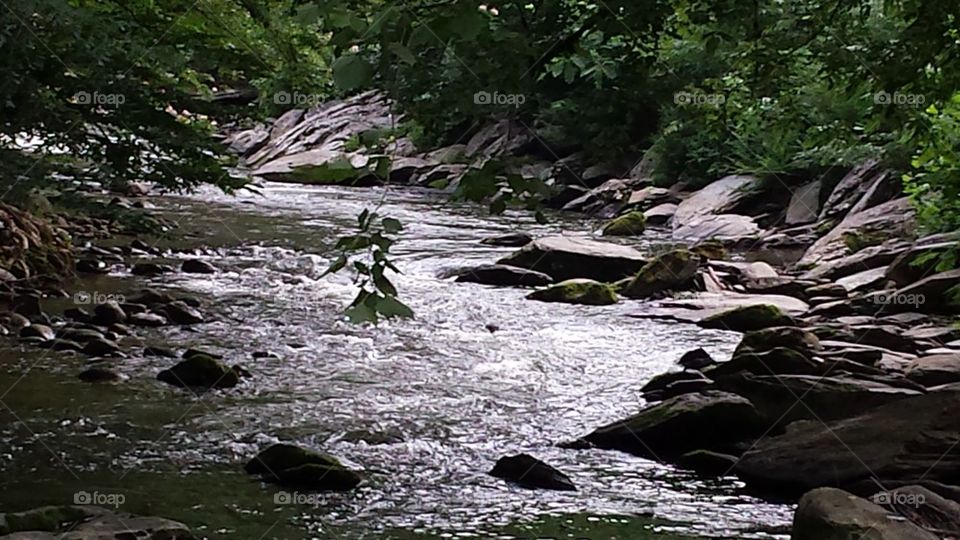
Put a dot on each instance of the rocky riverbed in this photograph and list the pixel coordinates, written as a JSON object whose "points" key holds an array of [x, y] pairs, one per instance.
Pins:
{"points": [[701, 357]]}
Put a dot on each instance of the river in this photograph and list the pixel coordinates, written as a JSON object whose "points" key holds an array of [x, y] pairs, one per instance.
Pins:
{"points": [[424, 406]]}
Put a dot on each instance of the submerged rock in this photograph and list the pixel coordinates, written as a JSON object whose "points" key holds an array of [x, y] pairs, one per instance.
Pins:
{"points": [[294, 466], [150, 269], [629, 224], [200, 371], [577, 291], [179, 312], [196, 266], [567, 258], [529, 472], [39, 331], [149, 320], [505, 276], [508, 240], [109, 313], [100, 375], [748, 318]]}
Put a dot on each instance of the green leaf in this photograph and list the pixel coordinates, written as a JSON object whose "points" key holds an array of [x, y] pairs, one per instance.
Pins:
{"points": [[390, 307], [336, 266], [402, 53], [351, 72], [391, 225]]}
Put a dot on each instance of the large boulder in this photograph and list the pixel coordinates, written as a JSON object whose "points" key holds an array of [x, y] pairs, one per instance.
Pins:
{"points": [[935, 370], [294, 466], [727, 228], [671, 270], [863, 187], [710, 421], [748, 318], [833, 514], [566, 258], [781, 361], [577, 291], [719, 197], [900, 442], [939, 293], [783, 398], [871, 227], [505, 276], [804, 204]]}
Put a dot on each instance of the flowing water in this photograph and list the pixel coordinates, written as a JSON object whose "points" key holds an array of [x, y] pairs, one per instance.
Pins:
{"points": [[424, 406]]}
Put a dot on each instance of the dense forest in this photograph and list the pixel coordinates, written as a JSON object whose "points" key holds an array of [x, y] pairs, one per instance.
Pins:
{"points": [[134, 89]]}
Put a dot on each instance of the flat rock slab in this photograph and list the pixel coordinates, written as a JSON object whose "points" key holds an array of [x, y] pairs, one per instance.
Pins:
{"points": [[88, 523], [565, 258], [708, 304]]}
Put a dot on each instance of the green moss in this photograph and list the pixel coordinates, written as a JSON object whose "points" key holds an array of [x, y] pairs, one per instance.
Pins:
{"points": [[668, 271], [859, 240], [630, 224], [711, 249], [577, 291]]}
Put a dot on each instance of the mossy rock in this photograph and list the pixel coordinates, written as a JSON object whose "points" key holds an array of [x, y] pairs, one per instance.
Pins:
{"points": [[671, 270], [200, 371], [286, 456], [711, 250], [748, 318], [577, 291], [859, 240], [294, 466], [630, 224], [790, 337]]}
